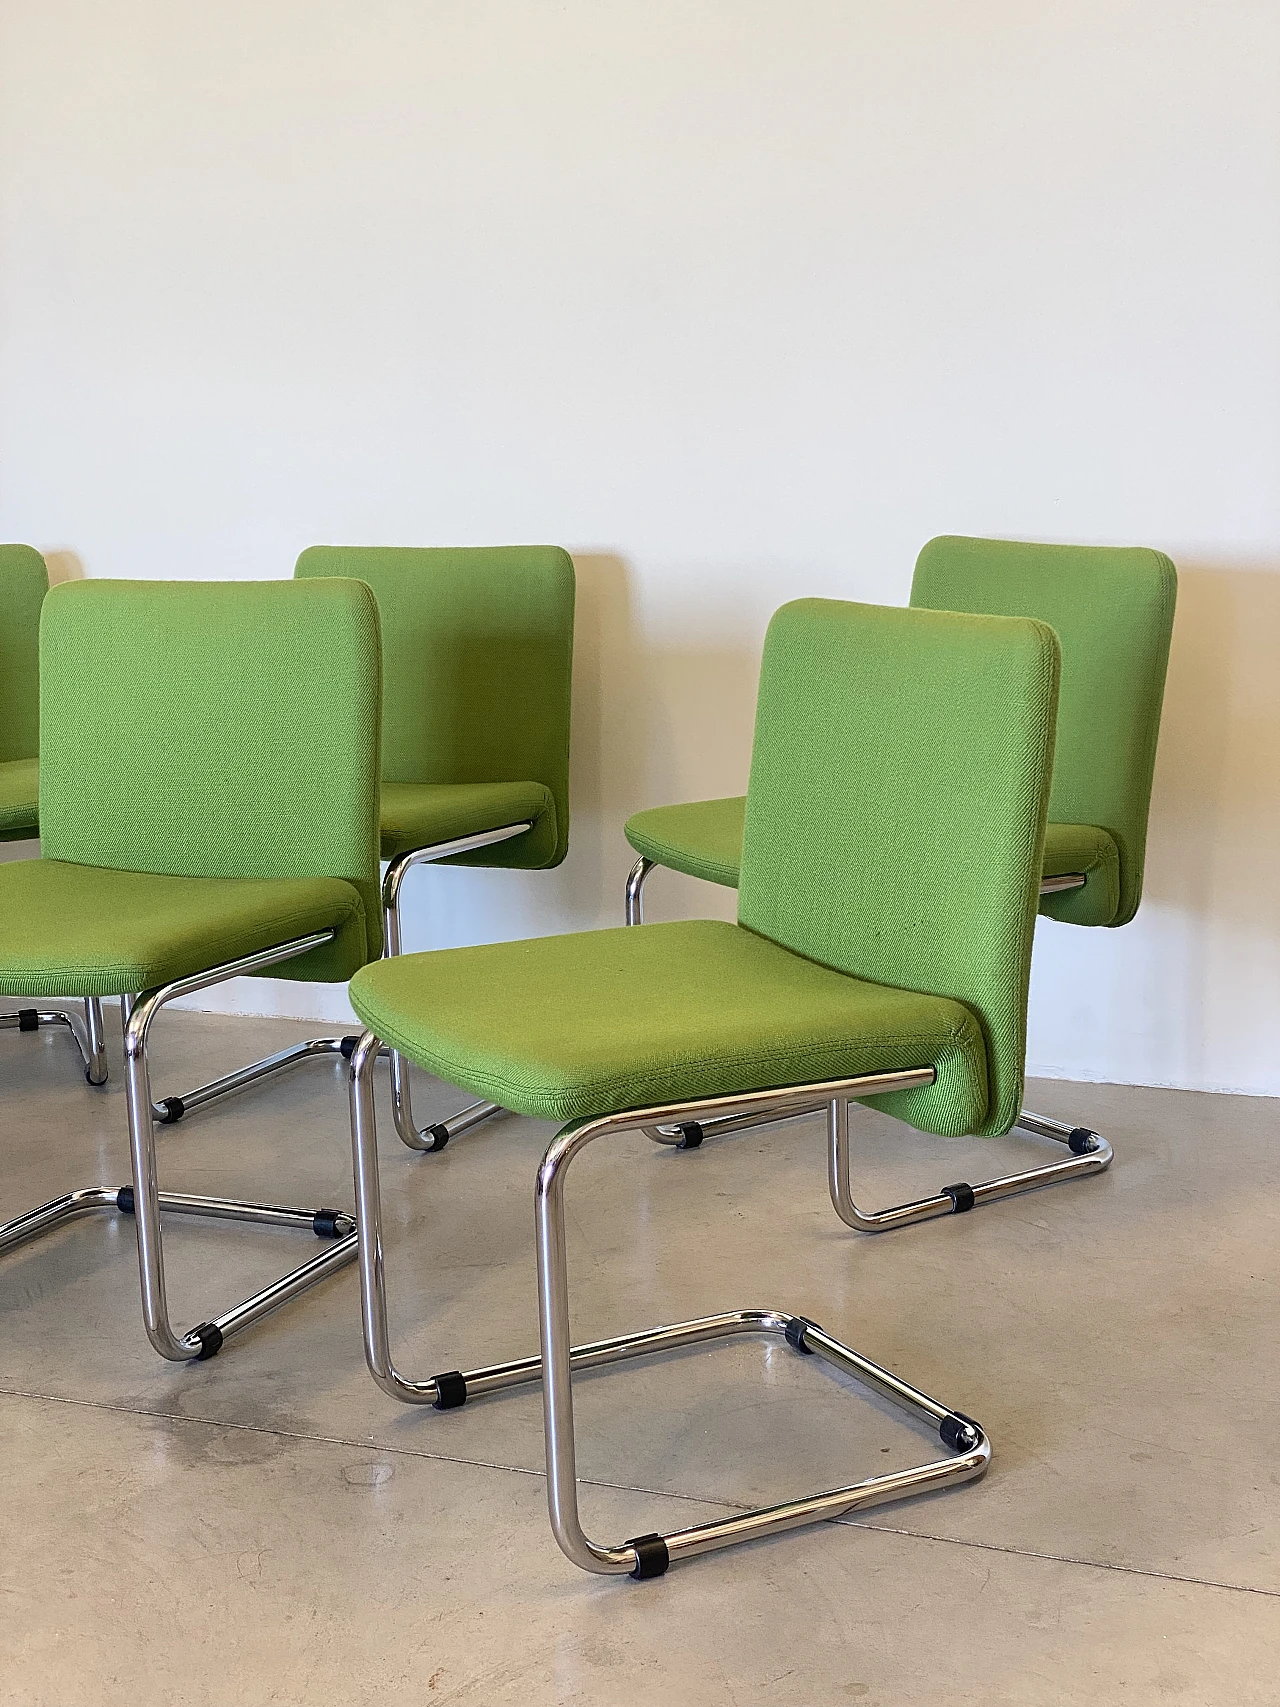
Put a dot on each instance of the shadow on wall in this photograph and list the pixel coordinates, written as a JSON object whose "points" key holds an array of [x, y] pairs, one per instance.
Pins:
{"points": [[1215, 822], [1184, 995], [64, 566], [652, 724]]}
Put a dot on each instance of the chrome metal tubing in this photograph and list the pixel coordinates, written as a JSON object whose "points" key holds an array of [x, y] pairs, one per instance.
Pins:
{"points": [[635, 890], [638, 1557], [87, 1034], [1091, 1154], [431, 1138], [559, 1358], [145, 1201], [243, 1077]]}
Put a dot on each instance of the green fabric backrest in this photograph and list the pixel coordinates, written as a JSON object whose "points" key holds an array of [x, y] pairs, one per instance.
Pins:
{"points": [[24, 581], [896, 810], [477, 659], [1112, 610], [214, 729]]}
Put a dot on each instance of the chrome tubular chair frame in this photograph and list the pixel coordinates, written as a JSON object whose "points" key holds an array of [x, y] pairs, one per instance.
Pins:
{"points": [[645, 1555], [146, 1202], [86, 1034], [1090, 1151], [171, 1109]]}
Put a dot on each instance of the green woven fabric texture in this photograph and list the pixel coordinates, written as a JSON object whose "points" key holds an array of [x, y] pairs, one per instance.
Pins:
{"points": [[241, 726], [1112, 609], [477, 647], [896, 811], [703, 838], [19, 799], [24, 580], [563, 1027], [424, 814], [87, 930]]}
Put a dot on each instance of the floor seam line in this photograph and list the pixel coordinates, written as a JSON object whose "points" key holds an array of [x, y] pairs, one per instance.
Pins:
{"points": [[633, 1488]]}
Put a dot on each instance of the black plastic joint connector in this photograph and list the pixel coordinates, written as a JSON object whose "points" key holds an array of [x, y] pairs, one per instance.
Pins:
{"points": [[451, 1390], [652, 1557], [1082, 1142], [174, 1109], [124, 1199], [439, 1138], [348, 1047], [691, 1135], [324, 1223], [961, 1196], [956, 1431], [28, 1019], [210, 1336], [795, 1331]]}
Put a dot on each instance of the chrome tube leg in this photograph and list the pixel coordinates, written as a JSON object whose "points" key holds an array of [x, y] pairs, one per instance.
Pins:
{"points": [[635, 890], [557, 1386], [146, 1188], [373, 1285], [95, 1067], [430, 1139]]}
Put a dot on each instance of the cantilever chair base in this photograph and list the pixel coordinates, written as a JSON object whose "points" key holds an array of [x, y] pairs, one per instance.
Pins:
{"points": [[145, 1201], [650, 1555], [86, 1034], [1090, 1152], [428, 1139]]}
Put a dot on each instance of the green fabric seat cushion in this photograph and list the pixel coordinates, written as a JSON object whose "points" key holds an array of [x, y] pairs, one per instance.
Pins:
{"points": [[19, 799], [703, 838], [423, 814], [85, 930], [570, 1026], [1089, 850]]}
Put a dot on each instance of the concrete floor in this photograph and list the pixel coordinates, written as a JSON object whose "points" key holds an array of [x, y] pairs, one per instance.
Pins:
{"points": [[268, 1527]]}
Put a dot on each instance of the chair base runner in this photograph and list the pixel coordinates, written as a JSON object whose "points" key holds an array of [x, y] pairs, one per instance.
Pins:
{"points": [[86, 1033], [207, 1338], [1090, 1154], [652, 1554]]}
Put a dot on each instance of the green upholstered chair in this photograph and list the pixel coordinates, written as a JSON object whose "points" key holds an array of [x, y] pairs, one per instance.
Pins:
{"points": [[477, 651], [886, 909], [199, 841], [1112, 608], [24, 581]]}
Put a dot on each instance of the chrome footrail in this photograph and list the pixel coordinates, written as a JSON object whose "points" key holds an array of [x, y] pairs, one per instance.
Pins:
{"points": [[641, 1556]]}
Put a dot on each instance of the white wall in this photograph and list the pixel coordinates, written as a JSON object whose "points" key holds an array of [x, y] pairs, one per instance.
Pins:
{"points": [[735, 300]]}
